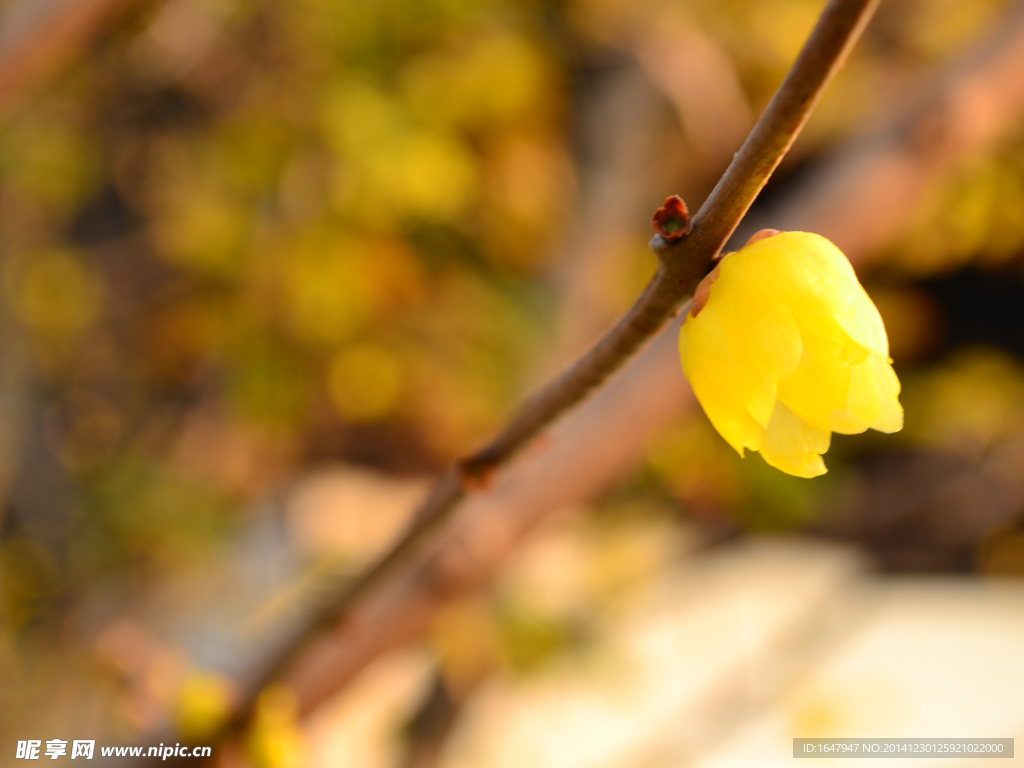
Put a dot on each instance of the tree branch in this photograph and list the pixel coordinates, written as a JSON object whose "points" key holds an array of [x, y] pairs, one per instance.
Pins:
{"points": [[683, 264], [599, 440]]}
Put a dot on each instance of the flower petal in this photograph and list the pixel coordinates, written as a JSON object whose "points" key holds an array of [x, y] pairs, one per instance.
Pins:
{"points": [[808, 273], [761, 333], [708, 363], [794, 446], [821, 381], [860, 319]]}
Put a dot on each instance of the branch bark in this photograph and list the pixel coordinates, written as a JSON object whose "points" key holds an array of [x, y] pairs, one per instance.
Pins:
{"points": [[599, 440], [860, 196], [683, 264]]}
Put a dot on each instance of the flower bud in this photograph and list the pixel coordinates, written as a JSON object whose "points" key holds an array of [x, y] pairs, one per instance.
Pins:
{"points": [[788, 348]]}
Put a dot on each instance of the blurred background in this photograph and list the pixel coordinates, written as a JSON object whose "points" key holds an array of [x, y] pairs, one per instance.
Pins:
{"points": [[267, 267]]}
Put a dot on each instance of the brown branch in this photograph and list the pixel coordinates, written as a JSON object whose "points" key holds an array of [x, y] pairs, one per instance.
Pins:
{"points": [[860, 196], [683, 264], [600, 439]]}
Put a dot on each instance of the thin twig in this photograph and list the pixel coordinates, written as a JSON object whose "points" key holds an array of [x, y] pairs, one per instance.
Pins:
{"points": [[682, 265], [591, 445]]}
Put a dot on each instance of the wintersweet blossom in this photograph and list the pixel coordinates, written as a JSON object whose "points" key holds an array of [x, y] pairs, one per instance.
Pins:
{"points": [[783, 347]]}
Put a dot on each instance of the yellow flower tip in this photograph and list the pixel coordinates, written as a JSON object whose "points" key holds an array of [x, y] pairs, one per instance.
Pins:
{"points": [[783, 347]]}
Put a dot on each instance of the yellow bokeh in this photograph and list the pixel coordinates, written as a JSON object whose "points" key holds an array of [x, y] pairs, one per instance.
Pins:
{"points": [[203, 229], [275, 740], [364, 382], [970, 401], [323, 293], [202, 704], [49, 160], [494, 78], [54, 294], [388, 167]]}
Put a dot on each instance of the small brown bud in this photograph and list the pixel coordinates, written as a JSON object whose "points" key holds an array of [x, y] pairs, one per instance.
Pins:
{"points": [[672, 220]]}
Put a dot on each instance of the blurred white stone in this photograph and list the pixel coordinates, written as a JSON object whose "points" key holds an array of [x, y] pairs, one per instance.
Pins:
{"points": [[731, 655]]}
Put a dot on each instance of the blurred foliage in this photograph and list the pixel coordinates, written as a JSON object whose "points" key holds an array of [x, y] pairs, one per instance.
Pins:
{"points": [[310, 218], [702, 471], [971, 216], [967, 403], [240, 238]]}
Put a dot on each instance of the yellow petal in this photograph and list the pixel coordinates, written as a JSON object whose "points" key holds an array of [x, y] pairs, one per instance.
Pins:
{"points": [[872, 399], [821, 381], [794, 446], [751, 342], [860, 319], [809, 274], [800, 270], [708, 363], [890, 416]]}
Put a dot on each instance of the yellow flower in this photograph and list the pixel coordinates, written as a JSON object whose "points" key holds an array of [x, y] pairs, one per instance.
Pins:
{"points": [[783, 347]]}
